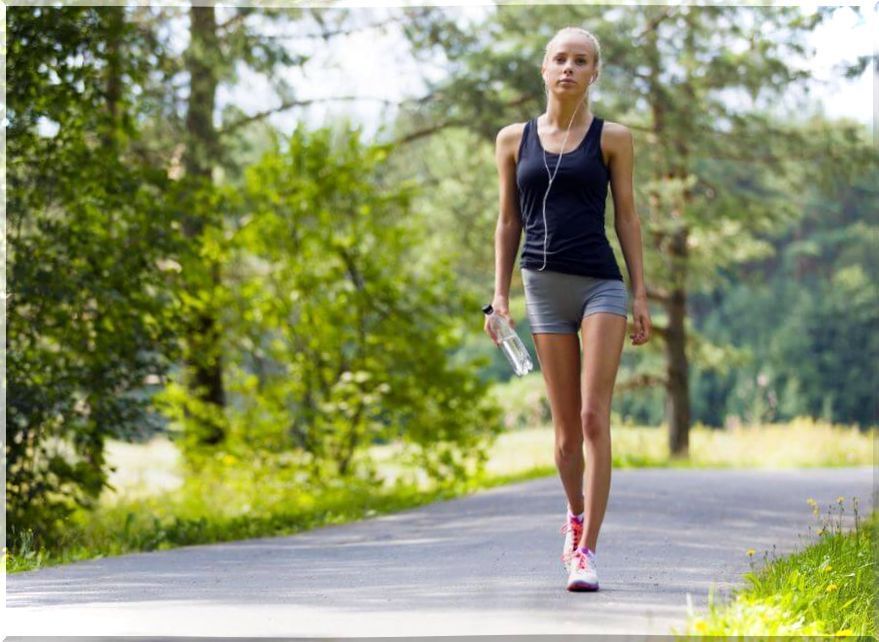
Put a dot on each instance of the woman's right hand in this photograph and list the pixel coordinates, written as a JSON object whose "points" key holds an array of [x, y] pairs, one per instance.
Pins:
{"points": [[501, 307]]}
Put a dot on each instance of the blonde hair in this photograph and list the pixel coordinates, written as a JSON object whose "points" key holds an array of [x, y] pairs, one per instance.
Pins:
{"points": [[596, 48]]}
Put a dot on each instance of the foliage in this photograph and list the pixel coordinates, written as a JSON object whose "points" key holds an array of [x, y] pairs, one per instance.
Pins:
{"points": [[805, 317], [201, 513], [90, 240], [343, 341], [337, 333]]}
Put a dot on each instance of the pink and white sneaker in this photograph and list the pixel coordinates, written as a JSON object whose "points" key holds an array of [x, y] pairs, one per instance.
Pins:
{"points": [[573, 530], [584, 571]]}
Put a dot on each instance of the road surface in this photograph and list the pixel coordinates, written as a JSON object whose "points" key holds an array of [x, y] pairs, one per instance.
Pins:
{"points": [[487, 564]]}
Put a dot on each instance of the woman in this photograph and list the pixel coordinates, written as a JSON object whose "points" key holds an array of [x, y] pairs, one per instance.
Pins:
{"points": [[557, 192]]}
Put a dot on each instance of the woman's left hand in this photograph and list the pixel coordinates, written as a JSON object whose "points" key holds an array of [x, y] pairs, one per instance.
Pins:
{"points": [[641, 321]]}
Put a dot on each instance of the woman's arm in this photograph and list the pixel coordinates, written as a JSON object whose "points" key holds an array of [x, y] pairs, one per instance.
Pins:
{"points": [[508, 231], [628, 228]]}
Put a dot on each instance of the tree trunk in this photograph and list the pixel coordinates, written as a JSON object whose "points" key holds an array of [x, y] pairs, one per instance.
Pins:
{"points": [[677, 409], [674, 246], [203, 356], [677, 406]]}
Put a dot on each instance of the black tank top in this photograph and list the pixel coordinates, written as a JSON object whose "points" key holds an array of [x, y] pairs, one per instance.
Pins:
{"points": [[575, 241]]}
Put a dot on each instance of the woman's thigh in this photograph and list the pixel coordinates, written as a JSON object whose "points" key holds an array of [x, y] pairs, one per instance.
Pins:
{"points": [[603, 337], [559, 357]]}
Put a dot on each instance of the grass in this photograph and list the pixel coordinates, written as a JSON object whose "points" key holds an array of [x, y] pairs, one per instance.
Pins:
{"points": [[171, 519], [827, 589], [800, 443], [153, 507]]}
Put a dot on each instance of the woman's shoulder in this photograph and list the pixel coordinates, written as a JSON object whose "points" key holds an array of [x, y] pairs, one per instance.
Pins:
{"points": [[511, 132], [615, 132], [615, 138], [509, 138]]}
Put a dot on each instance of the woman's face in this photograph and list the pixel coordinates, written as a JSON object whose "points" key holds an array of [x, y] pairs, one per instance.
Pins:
{"points": [[570, 67]]}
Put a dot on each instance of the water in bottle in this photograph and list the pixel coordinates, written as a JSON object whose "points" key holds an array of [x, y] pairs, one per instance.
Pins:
{"points": [[510, 343]]}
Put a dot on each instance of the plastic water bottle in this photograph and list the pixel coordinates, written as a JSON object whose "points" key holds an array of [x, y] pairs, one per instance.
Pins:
{"points": [[510, 342]]}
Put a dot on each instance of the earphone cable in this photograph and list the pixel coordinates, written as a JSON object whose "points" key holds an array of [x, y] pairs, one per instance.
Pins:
{"points": [[551, 179]]}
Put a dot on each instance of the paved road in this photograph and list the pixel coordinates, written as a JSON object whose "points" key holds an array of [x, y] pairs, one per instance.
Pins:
{"points": [[480, 565]]}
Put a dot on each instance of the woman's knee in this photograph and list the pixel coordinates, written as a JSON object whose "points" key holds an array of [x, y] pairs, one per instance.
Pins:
{"points": [[595, 422], [569, 444]]}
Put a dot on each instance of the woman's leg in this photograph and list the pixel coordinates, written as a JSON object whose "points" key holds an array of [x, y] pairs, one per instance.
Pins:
{"points": [[603, 337], [559, 357]]}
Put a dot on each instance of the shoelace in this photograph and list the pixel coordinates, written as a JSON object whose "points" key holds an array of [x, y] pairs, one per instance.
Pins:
{"points": [[571, 525], [584, 560], [576, 529]]}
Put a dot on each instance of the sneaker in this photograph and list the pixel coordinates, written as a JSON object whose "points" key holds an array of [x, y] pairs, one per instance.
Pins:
{"points": [[584, 571], [573, 530]]}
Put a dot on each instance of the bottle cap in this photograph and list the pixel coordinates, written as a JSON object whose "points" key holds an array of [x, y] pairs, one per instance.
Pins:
{"points": [[488, 309]]}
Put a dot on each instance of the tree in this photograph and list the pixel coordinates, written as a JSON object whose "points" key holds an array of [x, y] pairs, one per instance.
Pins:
{"points": [[805, 313], [215, 51], [90, 323], [336, 334]]}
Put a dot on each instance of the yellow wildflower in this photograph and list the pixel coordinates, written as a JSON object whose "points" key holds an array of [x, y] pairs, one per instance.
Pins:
{"points": [[811, 502], [751, 552], [831, 587], [840, 499], [828, 568], [844, 632]]}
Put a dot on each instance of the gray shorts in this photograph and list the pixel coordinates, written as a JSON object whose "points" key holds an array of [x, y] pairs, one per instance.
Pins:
{"points": [[556, 302]]}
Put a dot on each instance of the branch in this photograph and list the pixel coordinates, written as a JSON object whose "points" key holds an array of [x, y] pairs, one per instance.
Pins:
{"points": [[223, 27], [289, 105], [455, 122], [658, 294], [427, 131], [669, 11], [327, 34]]}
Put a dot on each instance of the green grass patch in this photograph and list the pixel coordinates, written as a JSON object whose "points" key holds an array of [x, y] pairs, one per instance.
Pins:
{"points": [[171, 519], [801, 443], [156, 508], [827, 589]]}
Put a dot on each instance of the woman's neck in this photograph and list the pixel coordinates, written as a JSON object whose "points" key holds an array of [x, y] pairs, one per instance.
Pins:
{"points": [[559, 114]]}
